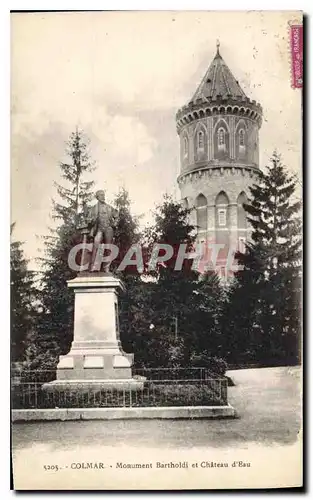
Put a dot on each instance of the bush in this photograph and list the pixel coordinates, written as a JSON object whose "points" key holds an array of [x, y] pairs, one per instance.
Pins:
{"points": [[39, 358], [215, 364], [218, 365], [31, 395]]}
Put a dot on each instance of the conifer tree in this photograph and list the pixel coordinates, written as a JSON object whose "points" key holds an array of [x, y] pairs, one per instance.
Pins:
{"points": [[269, 281], [185, 305], [126, 232], [131, 302], [56, 324], [22, 300]]}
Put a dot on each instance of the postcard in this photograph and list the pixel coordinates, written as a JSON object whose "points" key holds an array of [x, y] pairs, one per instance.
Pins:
{"points": [[156, 250]]}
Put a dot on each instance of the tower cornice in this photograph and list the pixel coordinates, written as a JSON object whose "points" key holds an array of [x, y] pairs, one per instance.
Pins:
{"points": [[203, 108], [220, 170]]}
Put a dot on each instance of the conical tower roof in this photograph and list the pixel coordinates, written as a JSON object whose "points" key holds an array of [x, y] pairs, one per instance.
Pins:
{"points": [[218, 92], [218, 82]]}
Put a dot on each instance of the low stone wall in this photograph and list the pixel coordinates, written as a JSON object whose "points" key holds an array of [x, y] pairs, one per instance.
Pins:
{"points": [[171, 412]]}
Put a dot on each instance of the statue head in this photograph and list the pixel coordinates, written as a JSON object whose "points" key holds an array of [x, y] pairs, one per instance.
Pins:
{"points": [[100, 195]]}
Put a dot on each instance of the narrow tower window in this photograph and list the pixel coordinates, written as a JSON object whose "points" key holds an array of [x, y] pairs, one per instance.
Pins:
{"points": [[200, 140], [242, 141], [222, 217], [221, 139], [202, 213], [221, 210], [185, 146], [241, 213]]}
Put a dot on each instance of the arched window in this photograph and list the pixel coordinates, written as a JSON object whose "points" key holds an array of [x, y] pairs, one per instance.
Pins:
{"points": [[202, 211], [222, 220], [242, 138], [221, 217], [221, 143], [200, 140], [185, 143], [222, 225], [241, 213], [200, 143]]}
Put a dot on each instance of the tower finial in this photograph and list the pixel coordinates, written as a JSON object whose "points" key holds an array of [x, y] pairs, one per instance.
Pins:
{"points": [[218, 47]]}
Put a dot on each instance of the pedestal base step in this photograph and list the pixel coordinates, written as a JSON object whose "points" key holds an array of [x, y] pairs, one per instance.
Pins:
{"points": [[170, 412], [133, 384]]}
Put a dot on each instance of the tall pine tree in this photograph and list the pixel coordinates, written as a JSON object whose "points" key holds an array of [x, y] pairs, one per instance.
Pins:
{"points": [[131, 301], [56, 326], [22, 301], [185, 304], [269, 282]]}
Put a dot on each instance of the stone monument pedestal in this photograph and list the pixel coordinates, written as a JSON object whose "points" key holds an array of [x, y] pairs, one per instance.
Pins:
{"points": [[96, 359]]}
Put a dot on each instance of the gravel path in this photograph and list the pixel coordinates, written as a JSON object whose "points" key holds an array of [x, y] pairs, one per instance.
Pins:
{"points": [[263, 438]]}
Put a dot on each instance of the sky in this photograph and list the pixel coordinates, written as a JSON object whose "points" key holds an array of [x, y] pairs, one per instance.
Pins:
{"points": [[121, 77]]}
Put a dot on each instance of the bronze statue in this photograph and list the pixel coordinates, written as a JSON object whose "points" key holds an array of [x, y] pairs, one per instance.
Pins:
{"points": [[100, 223]]}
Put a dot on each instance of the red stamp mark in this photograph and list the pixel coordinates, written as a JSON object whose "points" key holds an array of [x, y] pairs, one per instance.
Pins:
{"points": [[296, 43]]}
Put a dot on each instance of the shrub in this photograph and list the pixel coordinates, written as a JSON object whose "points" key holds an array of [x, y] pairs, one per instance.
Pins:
{"points": [[215, 364], [31, 395]]}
